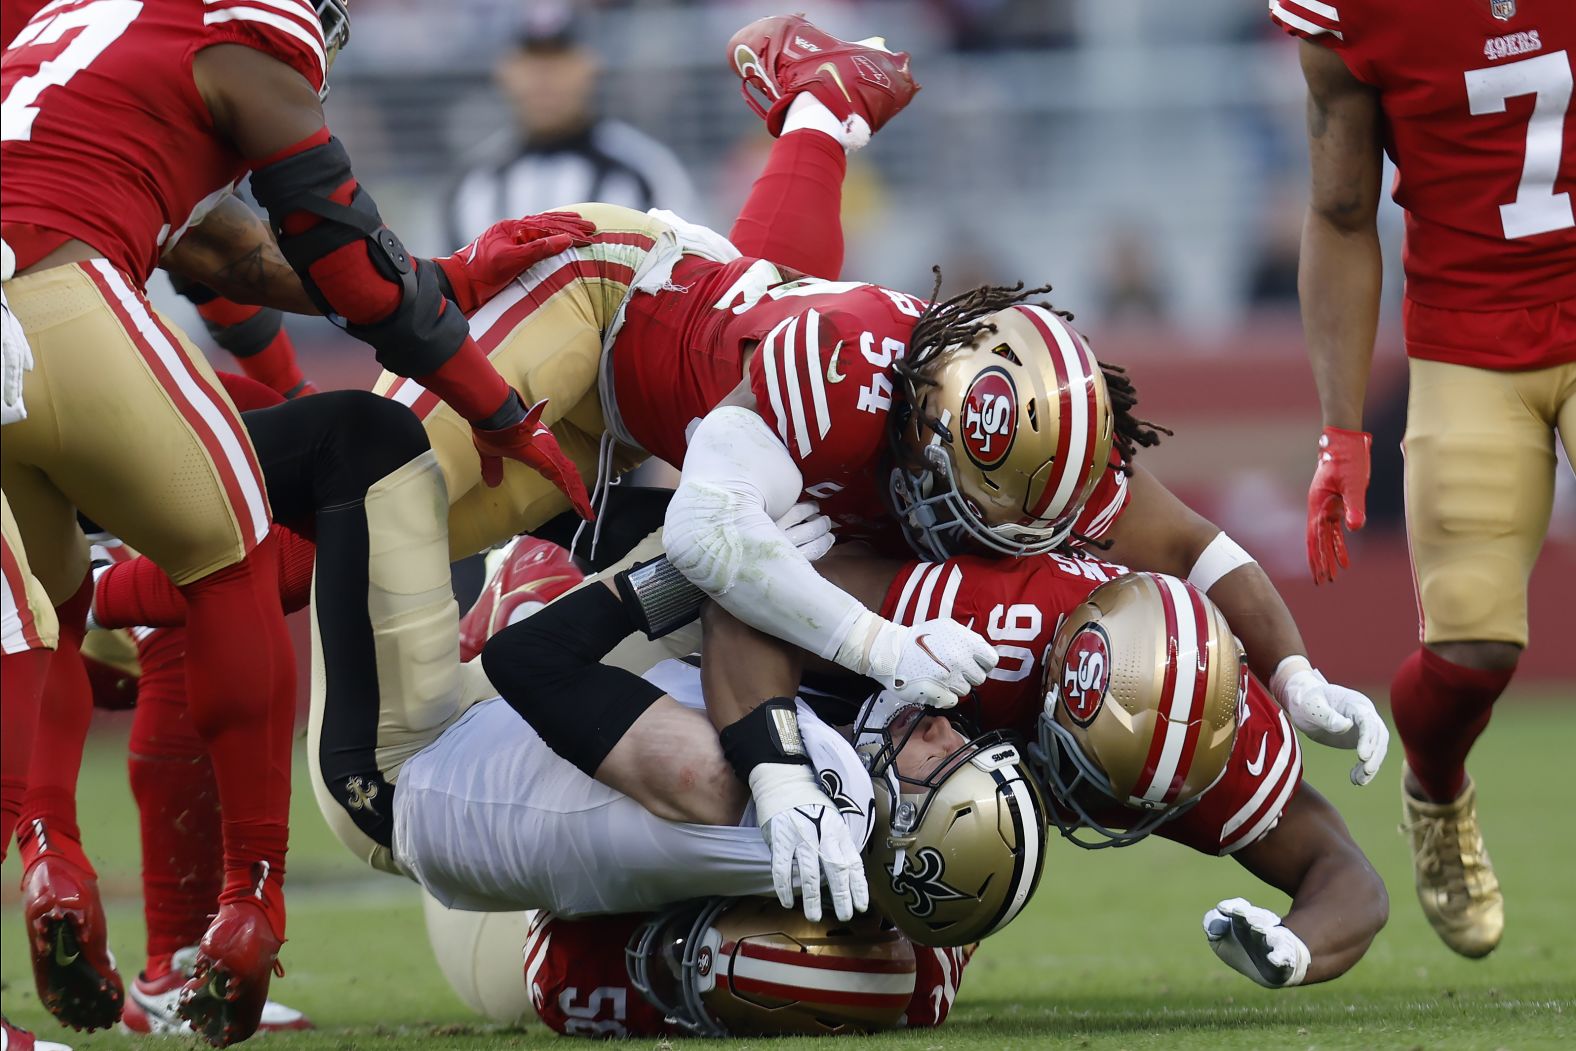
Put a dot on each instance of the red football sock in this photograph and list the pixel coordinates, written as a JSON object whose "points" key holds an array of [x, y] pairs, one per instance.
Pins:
{"points": [[178, 802], [276, 365], [1439, 709], [49, 810], [24, 674], [138, 594], [240, 677], [794, 214]]}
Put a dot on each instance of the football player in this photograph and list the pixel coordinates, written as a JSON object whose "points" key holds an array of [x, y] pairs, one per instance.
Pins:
{"points": [[1201, 754], [1474, 108], [125, 123]]}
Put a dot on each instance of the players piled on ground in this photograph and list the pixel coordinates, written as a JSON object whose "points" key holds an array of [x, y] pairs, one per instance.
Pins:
{"points": [[978, 431]]}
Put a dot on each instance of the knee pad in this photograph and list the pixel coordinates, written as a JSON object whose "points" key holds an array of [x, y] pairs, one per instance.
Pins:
{"points": [[415, 620]]}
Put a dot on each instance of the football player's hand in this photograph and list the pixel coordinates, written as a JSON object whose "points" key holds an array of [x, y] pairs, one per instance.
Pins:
{"points": [[1251, 940], [808, 529], [530, 442], [1339, 492], [933, 663], [1332, 715], [507, 249], [808, 836]]}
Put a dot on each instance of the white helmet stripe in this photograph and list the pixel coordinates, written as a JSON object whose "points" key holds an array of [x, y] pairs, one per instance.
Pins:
{"points": [[1078, 380], [1179, 710]]}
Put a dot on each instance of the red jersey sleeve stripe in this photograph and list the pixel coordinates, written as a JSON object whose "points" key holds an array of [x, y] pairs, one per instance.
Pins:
{"points": [[816, 369], [1270, 795], [794, 384], [1306, 18], [771, 365], [949, 593], [307, 33], [910, 576]]}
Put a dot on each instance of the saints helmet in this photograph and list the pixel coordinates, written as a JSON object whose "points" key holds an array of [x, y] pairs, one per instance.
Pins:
{"points": [[749, 967], [1144, 688], [1004, 438], [957, 853]]}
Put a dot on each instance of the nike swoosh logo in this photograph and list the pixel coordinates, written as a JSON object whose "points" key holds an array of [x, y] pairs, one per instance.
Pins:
{"points": [[920, 642], [837, 78], [62, 958], [1256, 767], [832, 374]]}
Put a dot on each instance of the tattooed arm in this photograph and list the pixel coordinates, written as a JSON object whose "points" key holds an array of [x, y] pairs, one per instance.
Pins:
{"points": [[1339, 276], [233, 252]]}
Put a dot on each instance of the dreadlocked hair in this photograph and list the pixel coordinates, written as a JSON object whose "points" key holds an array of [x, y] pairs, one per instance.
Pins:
{"points": [[951, 322]]}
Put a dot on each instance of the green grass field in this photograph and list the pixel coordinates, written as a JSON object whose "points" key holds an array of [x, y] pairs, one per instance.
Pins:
{"points": [[1110, 954]]}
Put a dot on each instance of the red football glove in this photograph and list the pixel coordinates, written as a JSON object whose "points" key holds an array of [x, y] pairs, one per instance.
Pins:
{"points": [[506, 249], [530, 442], [1339, 489]]}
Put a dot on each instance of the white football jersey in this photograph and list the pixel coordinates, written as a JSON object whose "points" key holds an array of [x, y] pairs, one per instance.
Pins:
{"points": [[488, 818]]}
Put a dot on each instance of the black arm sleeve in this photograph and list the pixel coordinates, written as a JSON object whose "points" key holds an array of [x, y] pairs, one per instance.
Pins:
{"points": [[548, 668], [419, 335]]}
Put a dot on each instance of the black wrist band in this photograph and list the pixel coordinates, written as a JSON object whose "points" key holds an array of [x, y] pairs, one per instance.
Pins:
{"points": [[511, 412], [769, 734]]}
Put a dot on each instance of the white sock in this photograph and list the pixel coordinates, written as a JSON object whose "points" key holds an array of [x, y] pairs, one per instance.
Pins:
{"points": [[807, 113]]}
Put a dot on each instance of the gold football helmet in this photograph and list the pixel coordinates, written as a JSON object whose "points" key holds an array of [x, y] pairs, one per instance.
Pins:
{"points": [[1144, 688], [749, 967], [957, 848], [1005, 436]]}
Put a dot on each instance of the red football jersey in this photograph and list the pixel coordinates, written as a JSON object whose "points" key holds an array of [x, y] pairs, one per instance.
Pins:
{"points": [[106, 139], [1478, 119], [1018, 604], [822, 379]]}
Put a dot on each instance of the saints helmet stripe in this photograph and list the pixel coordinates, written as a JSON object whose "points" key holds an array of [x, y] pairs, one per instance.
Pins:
{"points": [[1027, 860]]}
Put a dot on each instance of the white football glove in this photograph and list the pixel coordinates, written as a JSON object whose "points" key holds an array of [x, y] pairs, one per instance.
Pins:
{"points": [[16, 360], [808, 529], [806, 833], [933, 663], [1332, 715], [1251, 940]]}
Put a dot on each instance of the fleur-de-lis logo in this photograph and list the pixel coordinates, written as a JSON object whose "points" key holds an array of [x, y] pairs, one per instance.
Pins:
{"points": [[833, 786], [361, 794], [921, 879]]}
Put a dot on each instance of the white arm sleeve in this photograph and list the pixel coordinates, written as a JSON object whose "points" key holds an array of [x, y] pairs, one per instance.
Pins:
{"points": [[721, 533]]}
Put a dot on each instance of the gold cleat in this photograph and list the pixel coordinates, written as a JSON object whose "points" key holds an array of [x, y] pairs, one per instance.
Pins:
{"points": [[1455, 879]]}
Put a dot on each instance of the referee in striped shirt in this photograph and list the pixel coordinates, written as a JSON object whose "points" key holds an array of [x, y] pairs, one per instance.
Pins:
{"points": [[561, 151]]}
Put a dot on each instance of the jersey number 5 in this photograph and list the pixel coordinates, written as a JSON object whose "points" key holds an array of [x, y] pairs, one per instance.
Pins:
{"points": [[1537, 209], [101, 22]]}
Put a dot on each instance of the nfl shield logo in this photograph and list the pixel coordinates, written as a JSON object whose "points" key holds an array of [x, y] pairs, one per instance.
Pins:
{"points": [[1504, 10]]}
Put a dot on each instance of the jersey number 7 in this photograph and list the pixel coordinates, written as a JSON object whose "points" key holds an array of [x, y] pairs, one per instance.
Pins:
{"points": [[1537, 209]]}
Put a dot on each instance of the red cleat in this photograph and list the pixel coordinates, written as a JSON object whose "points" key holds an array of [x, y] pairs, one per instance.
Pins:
{"points": [[522, 576], [152, 1004], [15, 1038], [72, 965], [783, 55], [225, 997]]}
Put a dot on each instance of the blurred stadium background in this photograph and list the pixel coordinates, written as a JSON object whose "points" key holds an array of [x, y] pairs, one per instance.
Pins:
{"points": [[1146, 158]]}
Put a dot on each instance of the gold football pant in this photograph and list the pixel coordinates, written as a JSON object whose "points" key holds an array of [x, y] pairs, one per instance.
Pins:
{"points": [[126, 422], [1480, 468], [544, 334]]}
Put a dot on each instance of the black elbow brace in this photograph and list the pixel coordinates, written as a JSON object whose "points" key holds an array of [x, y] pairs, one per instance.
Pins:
{"points": [[548, 668], [419, 335]]}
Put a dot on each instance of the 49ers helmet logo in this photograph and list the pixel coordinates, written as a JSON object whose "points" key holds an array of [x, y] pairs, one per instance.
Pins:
{"points": [[990, 417], [1086, 673]]}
